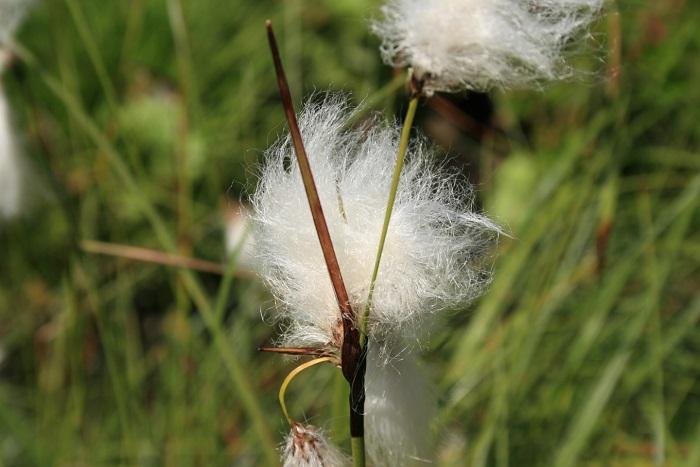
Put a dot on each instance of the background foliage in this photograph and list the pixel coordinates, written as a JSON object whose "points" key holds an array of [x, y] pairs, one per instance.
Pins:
{"points": [[143, 121]]}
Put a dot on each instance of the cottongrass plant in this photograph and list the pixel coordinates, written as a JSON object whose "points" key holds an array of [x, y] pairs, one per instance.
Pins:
{"points": [[454, 45], [432, 260], [397, 234]]}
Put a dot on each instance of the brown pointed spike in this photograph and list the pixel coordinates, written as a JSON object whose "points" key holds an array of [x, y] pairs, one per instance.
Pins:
{"points": [[296, 351], [350, 355]]}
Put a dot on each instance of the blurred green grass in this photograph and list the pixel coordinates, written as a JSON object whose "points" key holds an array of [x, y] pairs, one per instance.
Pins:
{"points": [[143, 122]]}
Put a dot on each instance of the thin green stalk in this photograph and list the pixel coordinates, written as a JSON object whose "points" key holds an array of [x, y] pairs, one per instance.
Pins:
{"points": [[358, 451], [655, 280], [183, 57], [93, 52], [400, 157], [132, 33], [119, 386]]}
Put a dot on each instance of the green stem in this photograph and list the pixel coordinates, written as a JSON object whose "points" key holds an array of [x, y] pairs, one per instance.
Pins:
{"points": [[400, 157], [357, 444]]}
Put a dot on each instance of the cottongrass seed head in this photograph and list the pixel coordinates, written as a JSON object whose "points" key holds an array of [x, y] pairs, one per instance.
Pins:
{"points": [[432, 260], [306, 446], [481, 44]]}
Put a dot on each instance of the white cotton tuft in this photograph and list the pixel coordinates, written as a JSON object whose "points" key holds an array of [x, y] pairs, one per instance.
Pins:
{"points": [[434, 248], [11, 176], [306, 446], [481, 44], [399, 407]]}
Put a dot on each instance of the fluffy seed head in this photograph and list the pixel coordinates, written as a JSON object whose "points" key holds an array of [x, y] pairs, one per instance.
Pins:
{"points": [[481, 44], [399, 407], [305, 446], [433, 253], [11, 177]]}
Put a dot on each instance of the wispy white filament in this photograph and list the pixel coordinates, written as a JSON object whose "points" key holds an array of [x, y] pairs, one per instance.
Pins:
{"points": [[306, 446], [433, 253], [480, 44], [399, 407], [11, 178]]}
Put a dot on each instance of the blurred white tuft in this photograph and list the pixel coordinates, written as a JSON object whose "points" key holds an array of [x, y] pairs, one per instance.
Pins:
{"points": [[237, 235], [399, 407], [11, 14], [11, 175], [481, 44]]}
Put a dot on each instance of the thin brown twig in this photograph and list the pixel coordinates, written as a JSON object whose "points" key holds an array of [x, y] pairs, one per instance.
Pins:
{"points": [[350, 348], [148, 255], [298, 351]]}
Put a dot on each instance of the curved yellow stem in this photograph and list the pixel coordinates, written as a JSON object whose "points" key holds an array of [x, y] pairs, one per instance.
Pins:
{"points": [[292, 374]]}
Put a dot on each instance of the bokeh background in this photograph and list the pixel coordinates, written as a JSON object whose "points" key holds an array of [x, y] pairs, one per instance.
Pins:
{"points": [[142, 123]]}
